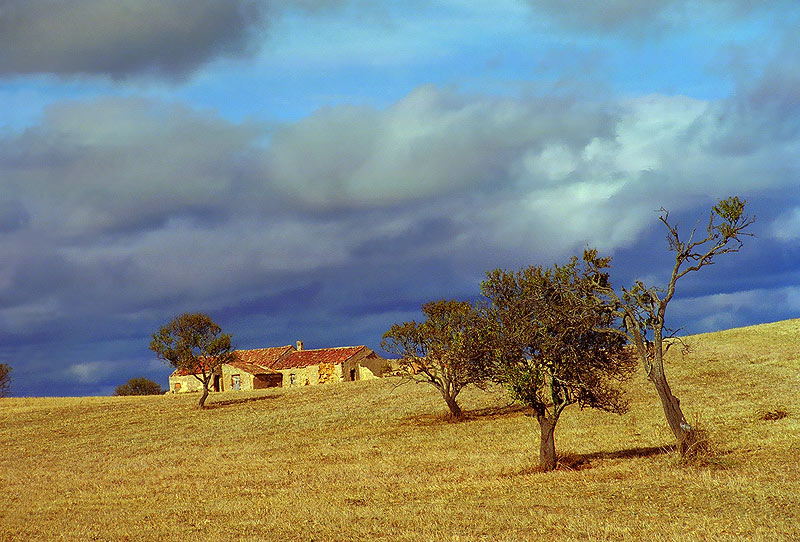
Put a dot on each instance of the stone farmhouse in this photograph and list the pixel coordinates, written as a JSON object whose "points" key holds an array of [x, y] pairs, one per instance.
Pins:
{"points": [[287, 366]]}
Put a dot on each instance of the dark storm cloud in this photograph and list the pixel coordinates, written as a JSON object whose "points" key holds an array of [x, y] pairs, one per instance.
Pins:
{"points": [[764, 113], [13, 216], [126, 211], [121, 38], [432, 142], [642, 19], [607, 15], [122, 165]]}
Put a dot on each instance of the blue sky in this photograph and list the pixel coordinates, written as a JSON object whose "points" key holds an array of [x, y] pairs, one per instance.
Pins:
{"points": [[317, 169]]}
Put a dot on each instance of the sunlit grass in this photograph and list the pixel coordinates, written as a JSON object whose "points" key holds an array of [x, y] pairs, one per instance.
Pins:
{"points": [[376, 461]]}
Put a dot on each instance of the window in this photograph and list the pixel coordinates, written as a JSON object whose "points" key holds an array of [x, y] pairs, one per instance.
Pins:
{"points": [[177, 386], [235, 381], [292, 379]]}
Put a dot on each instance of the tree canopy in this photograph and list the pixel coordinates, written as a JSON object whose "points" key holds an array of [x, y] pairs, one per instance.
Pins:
{"points": [[5, 379], [440, 351], [551, 342]]}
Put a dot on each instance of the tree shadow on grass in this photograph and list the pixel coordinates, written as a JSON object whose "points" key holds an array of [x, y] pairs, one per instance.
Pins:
{"points": [[229, 402], [488, 413], [629, 453], [491, 413], [568, 461]]}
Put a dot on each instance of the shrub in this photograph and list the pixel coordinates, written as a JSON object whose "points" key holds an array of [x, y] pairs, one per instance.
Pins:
{"points": [[139, 386]]}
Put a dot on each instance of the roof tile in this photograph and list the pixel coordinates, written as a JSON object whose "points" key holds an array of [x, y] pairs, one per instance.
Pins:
{"points": [[258, 359], [306, 358]]}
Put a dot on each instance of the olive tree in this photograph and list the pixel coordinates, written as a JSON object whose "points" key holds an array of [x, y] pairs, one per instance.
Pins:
{"points": [[194, 344], [642, 309], [441, 350], [551, 345], [5, 379]]}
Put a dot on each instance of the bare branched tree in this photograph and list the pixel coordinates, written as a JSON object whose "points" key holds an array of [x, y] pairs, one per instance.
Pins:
{"points": [[642, 309]]}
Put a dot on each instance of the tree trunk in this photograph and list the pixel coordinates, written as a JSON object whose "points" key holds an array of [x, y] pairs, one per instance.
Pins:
{"points": [[547, 444], [685, 434], [204, 396], [455, 410]]}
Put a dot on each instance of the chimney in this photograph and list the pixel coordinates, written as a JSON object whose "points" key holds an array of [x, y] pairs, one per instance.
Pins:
{"points": [[299, 346]]}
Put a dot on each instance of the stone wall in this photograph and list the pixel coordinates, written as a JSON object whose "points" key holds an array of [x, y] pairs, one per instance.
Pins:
{"points": [[302, 376], [184, 384], [327, 373], [228, 371], [364, 365], [374, 366]]}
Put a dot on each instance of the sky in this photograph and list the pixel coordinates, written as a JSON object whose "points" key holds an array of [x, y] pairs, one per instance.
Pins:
{"points": [[318, 169]]}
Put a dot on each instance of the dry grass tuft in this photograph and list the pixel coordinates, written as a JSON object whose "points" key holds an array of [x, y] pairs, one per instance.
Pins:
{"points": [[373, 461], [774, 414], [702, 452]]}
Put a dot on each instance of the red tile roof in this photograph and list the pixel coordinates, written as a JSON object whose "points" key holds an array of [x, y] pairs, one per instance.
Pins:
{"points": [[305, 358], [270, 360], [262, 357], [186, 372], [256, 361]]}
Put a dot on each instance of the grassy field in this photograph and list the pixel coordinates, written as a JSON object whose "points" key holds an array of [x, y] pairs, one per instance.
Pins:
{"points": [[377, 461]]}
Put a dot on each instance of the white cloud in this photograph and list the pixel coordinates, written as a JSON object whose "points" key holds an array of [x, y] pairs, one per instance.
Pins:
{"points": [[91, 372], [787, 226]]}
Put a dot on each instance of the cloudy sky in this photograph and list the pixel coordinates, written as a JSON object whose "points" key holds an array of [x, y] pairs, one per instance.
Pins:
{"points": [[317, 169]]}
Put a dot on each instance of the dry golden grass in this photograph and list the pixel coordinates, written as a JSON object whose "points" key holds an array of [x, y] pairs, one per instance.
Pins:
{"points": [[373, 461]]}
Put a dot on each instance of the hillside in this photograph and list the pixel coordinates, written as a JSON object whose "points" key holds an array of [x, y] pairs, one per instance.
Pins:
{"points": [[376, 461]]}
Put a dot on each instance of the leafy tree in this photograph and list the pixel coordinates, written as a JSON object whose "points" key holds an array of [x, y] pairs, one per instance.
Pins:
{"points": [[642, 309], [139, 386], [195, 344], [551, 342], [441, 350], [5, 379]]}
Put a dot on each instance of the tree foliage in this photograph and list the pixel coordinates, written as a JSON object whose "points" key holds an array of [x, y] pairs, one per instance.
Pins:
{"points": [[139, 386], [5, 379], [642, 309], [551, 342], [194, 344], [440, 351]]}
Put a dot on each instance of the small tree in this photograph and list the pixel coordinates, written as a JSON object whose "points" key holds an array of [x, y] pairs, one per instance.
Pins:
{"points": [[441, 350], [642, 309], [5, 379], [139, 386], [195, 344], [551, 343]]}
